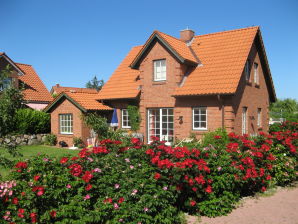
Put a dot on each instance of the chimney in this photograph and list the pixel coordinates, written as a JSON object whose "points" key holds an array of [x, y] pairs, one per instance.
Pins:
{"points": [[186, 35], [57, 85]]}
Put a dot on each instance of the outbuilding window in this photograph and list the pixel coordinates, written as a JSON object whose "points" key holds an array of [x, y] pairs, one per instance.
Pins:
{"points": [[199, 115], [66, 123], [160, 70]]}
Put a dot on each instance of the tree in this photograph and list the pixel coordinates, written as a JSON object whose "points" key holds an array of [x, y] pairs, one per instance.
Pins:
{"points": [[11, 99], [95, 84], [286, 108]]}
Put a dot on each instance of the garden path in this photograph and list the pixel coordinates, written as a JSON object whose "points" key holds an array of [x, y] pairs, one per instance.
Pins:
{"points": [[279, 208]]}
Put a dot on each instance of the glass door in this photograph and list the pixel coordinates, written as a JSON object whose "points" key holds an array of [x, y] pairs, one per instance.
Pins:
{"points": [[161, 124]]}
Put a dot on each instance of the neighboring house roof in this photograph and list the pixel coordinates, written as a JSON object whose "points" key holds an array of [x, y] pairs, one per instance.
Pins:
{"points": [[58, 89], [35, 90], [83, 101], [220, 58], [124, 83]]}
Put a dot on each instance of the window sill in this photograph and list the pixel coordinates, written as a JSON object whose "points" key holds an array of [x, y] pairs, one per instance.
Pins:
{"points": [[203, 129], [163, 82], [126, 127]]}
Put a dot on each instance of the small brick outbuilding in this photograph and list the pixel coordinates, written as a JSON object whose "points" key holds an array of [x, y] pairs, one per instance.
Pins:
{"points": [[67, 110]]}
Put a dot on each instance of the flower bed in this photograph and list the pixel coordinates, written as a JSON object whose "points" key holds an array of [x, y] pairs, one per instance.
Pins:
{"points": [[133, 183]]}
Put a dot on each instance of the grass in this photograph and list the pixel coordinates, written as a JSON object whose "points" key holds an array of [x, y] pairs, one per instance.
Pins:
{"points": [[31, 151]]}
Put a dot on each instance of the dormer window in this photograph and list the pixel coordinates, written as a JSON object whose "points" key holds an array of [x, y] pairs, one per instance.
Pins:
{"points": [[247, 70], [160, 70]]}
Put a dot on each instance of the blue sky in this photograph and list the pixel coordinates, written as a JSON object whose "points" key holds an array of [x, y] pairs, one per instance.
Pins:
{"points": [[70, 41]]}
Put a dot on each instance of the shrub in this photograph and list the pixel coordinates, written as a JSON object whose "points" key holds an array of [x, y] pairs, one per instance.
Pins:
{"points": [[78, 142], [32, 121], [128, 182], [98, 124], [51, 139], [134, 117]]}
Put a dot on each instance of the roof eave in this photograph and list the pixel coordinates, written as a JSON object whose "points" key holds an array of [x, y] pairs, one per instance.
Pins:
{"points": [[58, 98], [11, 62]]}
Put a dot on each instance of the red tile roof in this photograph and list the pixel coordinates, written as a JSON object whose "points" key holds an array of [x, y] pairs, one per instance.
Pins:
{"points": [[124, 82], [85, 101], [222, 56], [58, 89], [35, 90]]}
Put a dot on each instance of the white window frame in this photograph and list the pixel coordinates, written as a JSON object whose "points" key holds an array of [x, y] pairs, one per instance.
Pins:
{"points": [[162, 70], [200, 121], [125, 117], [244, 120], [169, 122], [247, 70], [256, 73], [259, 118], [66, 124]]}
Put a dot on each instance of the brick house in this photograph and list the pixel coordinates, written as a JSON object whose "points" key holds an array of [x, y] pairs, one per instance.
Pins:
{"points": [[194, 84], [35, 92], [66, 113]]}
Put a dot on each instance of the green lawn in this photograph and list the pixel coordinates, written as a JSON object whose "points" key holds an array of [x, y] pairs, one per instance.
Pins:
{"points": [[30, 151]]}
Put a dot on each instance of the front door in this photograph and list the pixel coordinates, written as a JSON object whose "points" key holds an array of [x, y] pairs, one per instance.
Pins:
{"points": [[161, 124]]}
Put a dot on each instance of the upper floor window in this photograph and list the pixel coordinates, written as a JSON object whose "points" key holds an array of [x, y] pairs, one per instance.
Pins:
{"points": [[247, 70], [66, 123], [199, 118], [125, 119], [160, 70], [256, 73]]}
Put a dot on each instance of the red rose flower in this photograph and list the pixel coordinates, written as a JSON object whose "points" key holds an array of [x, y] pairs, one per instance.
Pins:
{"points": [[33, 217], [108, 200], [121, 200], [208, 189], [63, 160], [263, 189], [53, 213], [193, 203], [15, 201], [157, 176], [36, 178], [87, 176], [88, 187]]}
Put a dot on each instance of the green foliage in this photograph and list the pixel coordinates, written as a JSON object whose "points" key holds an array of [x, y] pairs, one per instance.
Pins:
{"points": [[134, 117], [95, 84], [214, 137], [98, 124], [286, 108], [29, 121], [128, 182], [11, 99], [78, 142], [51, 139]]}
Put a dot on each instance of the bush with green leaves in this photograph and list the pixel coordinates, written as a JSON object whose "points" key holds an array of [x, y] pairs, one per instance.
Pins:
{"points": [[78, 142], [29, 121], [51, 139], [134, 117], [128, 182]]}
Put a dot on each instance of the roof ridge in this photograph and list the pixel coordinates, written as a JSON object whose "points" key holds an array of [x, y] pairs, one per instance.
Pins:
{"points": [[171, 36], [228, 31], [22, 64]]}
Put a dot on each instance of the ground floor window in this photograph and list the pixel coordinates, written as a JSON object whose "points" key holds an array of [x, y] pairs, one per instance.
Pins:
{"points": [[125, 119], [244, 120], [161, 124], [199, 115], [66, 123]]}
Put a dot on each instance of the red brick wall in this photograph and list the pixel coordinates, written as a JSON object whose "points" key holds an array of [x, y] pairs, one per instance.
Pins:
{"points": [[79, 129], [253, 97], [159, 94]]}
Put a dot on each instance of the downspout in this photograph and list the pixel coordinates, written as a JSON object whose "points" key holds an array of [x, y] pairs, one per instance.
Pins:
{"points": [[220, 100]]}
